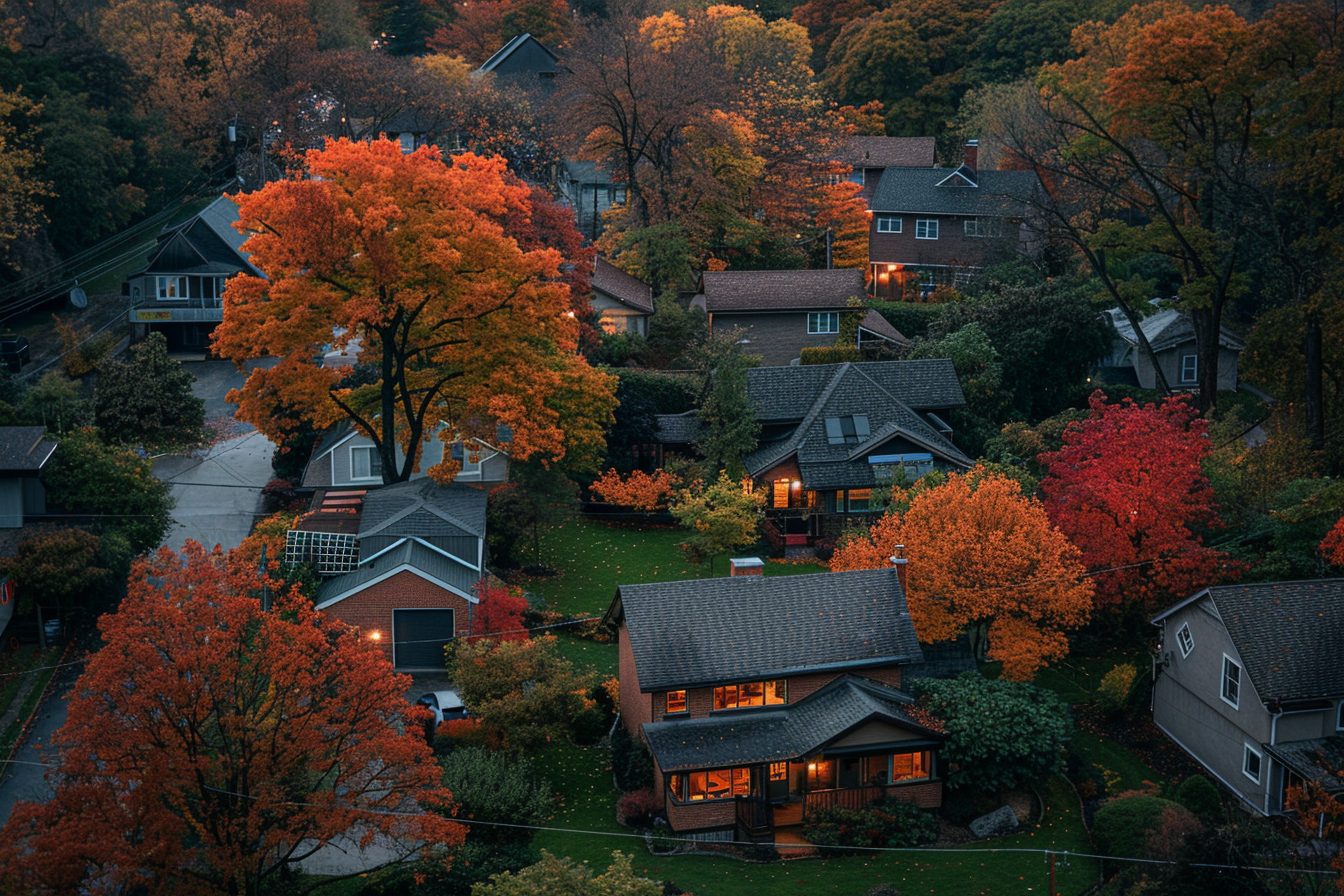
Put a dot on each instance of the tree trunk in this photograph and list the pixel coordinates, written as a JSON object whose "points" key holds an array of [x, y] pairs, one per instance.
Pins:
{"points": [[1315, 383], [1206, 351]]}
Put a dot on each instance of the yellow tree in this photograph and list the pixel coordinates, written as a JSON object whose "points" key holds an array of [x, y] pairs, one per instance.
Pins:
{"points": [[408, 259], [984, 560]]}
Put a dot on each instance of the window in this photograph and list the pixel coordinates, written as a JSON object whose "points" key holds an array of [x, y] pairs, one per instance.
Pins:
{"points": [[926, 228], [676, 701], [1231, 682], [365, 463], [716, 784], [1339, 718], [1189, 368], [911, 466], [849, 430], [753, 693], [888, 224], [779, 771], [909, 766], [856, 176], [820, 323], [859, 499], [978, 227], [1185, 639], [172, 287], [407, 143], [1250, 763]]}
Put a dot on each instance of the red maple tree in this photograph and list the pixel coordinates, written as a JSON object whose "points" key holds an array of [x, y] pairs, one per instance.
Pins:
{"points": [[1332, 546], [499, 615], [1127, 488], [210, 745]]}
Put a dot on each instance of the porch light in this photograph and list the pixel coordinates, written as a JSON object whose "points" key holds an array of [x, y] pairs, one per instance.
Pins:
{"points": [[375, 635], [796, 484], [890, 268]]}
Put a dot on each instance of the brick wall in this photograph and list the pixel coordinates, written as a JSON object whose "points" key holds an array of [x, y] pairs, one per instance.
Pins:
{"points": [[952, 247], [777, 337], [702, 815], [636, 708], [371, 609], [928, 795]]}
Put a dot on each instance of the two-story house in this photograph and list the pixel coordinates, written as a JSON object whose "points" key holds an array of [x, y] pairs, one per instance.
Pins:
{"points": [[763, 700], [1249, 682], [180, 292], [1171, 335], [782, 312], [346, 458], [939, 227]]}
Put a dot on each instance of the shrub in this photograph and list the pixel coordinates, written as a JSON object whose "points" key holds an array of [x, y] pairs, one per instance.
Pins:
{"points": [[887, 823], [1200, 795], [1122, 825], [637, 808], [1000, 734], [824, 549], [1113, 692], [278, 495], [630, 761], [465, 733], [1176, 825]]}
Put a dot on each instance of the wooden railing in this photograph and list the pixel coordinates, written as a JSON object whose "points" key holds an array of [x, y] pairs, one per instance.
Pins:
{"points": [[845, 798], [755, 820]]}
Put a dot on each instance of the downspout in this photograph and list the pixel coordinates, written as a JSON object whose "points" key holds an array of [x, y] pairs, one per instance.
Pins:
{"points": [[1275, 708]]}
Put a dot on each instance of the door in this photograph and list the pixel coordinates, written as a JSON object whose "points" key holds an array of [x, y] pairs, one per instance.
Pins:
{"points": [[418, 638]]}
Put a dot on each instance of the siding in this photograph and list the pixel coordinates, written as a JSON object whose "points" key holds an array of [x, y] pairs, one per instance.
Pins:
{"points": [[874, 733], [11, 503], [371, 609], [1170, 361], [778, 337]]}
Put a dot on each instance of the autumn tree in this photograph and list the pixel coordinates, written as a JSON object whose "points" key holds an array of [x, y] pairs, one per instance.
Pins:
{"points": [[641, 491], [722, 515], [56, 568], [1332, 546], [1127, 488], [234, 742], [21, 187], [409, 259], [985, 560], [499, 615]]}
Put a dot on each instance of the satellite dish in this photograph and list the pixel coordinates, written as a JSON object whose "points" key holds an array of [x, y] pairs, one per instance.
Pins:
{"points": [[78, 298]]}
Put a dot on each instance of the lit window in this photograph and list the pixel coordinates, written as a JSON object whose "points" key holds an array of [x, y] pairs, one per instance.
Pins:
{"points": [[821, 323], [1231, 682], [909, 766], [779, 771], [1185, 639], [365, 463], [859, 499], [676, 701], [888, 224], [926, 228], [1189, 368], [776, 692], [1250, 763], [752, 693], [715, 784]]}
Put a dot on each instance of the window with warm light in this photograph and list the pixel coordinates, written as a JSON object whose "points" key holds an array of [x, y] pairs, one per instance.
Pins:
{"points": [[860, 500], [676, 701], [714, 784], [780, 499], [779, 771], [752, 693], [909, 766]]}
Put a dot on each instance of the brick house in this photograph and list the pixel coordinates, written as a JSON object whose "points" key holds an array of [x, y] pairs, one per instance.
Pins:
{"points": [[783, 312], [753, 724]]}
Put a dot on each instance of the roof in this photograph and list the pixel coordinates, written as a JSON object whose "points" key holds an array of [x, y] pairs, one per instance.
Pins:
{"points": [[624, 288], [879, 326], [408, 554], [422, 507], [206, 243], [917, 191], [786, 393], [24, 449], [708, 631], [1290, 635], [1318, 760], [789, 732], [1166, 329], [335, 511], [887, 152], [317, 473], [780, 290], [583, 172], [510, 48], [678, 429]]}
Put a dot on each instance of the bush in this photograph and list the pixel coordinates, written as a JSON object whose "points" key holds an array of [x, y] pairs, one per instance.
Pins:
{"points": [[1113, 692], [824, 549], [829, 354], [888, 823], [637, 808], [631, 762], [278, 495], [1200, 795], [1122, 825], [1000, 734], [911, 318]]}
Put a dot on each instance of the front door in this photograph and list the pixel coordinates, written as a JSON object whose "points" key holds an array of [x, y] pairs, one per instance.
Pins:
{"points": [[851, 772]]}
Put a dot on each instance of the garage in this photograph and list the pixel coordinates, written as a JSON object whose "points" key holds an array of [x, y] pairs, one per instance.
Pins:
{"points": [[418, 638]]}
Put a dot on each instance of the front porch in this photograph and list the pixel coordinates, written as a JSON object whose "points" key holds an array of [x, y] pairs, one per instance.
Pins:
{"points": [[759, 820]]}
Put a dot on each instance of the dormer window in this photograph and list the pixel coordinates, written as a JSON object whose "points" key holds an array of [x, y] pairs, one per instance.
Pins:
{"points": [[849, 430]]}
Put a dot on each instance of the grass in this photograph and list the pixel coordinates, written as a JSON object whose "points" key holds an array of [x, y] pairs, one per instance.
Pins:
{"points": [[47, 661]]}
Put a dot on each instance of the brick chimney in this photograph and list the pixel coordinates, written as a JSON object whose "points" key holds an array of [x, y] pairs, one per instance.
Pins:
{"points": [[902, 565], [972, 154], [746, 566]]}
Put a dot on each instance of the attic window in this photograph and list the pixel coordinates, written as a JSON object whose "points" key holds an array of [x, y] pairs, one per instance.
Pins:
{"points": [[1185, 639], [849, 430]]}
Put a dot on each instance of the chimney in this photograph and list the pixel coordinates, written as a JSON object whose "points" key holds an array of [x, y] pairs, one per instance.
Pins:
{"points": [[972, 154], [902, 566], [746, 566]]}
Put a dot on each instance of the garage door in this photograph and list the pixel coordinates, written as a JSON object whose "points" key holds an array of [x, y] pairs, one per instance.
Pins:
{"points": [[419, 636]]}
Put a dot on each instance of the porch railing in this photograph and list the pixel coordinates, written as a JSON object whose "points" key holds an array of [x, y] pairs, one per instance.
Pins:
{"points": [[755, 821], [845, 798]]}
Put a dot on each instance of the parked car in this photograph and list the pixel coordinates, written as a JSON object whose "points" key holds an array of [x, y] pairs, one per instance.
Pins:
{"points": [[445, 705], [13, 352]]}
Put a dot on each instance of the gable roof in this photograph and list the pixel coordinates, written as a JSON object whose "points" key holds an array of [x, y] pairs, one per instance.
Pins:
{"points": [[1290, 635], [407, 555], [789, 732], [934, 191], [878, 325], [1166, 329], [787, 393], [504, 52], [206, 243], [422, 507], [624, 288], [721, 291], [887, 152], [711, 631], [25, 449]]}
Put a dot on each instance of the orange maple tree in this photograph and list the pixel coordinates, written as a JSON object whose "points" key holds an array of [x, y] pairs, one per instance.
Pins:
{"points": [[642, 491], [1128, 489], [983, 559], [460, 331], [210, 745]]}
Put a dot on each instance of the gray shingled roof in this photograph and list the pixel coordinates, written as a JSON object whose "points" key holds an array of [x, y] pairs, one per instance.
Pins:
{"points": [[508, 50], [916, 191], [1167, 328], [708, 631], [774, 735], [423, 508], [24, 449], [779, 290], [887, 152], [1290, 635], [678, 429], [865, 389], [408, 552], [1317, 760], [876, 323], [786, 393], [621, 286]]}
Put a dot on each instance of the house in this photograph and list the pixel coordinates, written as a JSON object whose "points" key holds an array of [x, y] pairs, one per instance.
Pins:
{"points": [[590, 191], [402, 564], [831, 433], [524, 62], [783, 312], [624, 303], [1250, 684], [346, 458], [868, 157], [935, 227], [24, 452], [764, 700], [180, 292], [1171, 335]]}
